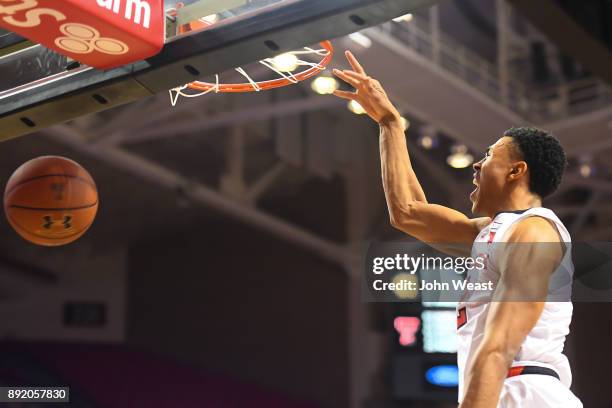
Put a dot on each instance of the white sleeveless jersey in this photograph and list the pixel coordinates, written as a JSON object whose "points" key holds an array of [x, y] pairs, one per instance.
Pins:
{"points": [[544, 344]]}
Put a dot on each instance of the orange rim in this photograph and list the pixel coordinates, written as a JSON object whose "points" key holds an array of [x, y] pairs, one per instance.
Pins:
{"points": [[274, 83], [256, 85]]}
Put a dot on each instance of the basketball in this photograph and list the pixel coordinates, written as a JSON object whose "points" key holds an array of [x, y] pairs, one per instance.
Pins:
{"points": [[50, 200]]}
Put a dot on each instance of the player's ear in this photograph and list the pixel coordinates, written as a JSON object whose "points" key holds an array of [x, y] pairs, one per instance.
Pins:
{"points": [[517, 170]]}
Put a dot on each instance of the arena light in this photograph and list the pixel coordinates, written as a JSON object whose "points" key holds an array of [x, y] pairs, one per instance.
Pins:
{"points": [[585, 166], [361, 39], [405, 278], [460, 158], [405, 123], [443, 375], [356, 107], [405, 18], [586, 170], [285, 62], [428, 137], [426, 142], [324, 85]]}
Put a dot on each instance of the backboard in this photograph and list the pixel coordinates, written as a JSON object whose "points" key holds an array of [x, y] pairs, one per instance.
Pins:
{"points": [[39, 88], [215, 12], [22, 62]]}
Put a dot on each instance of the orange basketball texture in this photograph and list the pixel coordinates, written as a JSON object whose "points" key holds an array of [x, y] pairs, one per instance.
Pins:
{"points": [[50, 200]]}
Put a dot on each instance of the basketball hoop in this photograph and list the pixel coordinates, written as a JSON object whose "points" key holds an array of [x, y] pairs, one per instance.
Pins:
{"points": [[286, 77]]}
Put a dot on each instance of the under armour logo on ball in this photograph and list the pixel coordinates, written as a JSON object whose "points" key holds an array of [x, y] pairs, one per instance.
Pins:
{"points": [[50, 222]]}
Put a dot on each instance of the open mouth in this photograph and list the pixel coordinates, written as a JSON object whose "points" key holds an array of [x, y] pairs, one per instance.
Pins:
{"points": [[476, 182], [473, 193]]}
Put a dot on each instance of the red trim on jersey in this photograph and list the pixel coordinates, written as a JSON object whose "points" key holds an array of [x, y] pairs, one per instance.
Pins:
{"points": [[521, 370], [514, 371], [491, 236], [461, 317]]}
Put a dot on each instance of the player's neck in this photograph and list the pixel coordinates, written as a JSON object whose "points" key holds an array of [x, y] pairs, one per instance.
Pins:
{"points": [[515, 203]]}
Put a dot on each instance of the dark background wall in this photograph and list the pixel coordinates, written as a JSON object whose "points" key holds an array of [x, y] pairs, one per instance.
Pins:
{"points": [[591, 332], [242, 303]]}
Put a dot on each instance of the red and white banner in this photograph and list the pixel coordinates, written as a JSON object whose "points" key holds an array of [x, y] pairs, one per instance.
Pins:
{"points": [[100, 33]]}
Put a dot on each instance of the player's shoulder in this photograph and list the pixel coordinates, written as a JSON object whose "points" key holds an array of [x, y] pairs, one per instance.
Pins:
{"points": [[535, 228]]}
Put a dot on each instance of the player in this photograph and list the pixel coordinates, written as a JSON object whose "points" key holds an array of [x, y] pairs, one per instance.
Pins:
{"points": [[510, 353]]}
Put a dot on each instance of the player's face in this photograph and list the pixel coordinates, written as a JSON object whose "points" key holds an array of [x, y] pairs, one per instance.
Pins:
{"points": [[490, 177]]}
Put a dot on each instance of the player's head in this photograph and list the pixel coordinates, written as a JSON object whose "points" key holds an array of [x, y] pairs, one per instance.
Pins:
{"points": [[523, 166]]}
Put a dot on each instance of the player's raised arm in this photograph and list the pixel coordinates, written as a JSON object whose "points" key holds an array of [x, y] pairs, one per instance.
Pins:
{"points": [[409, 210]]}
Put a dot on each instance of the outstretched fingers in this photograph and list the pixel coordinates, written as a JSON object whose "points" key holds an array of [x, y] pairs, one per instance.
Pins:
{"points": [[345, 94], [346, 78], [356, 78], [354, 63], [356, 75]]}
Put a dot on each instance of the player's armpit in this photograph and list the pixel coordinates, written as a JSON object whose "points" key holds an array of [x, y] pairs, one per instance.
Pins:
{"points": [[436, 224]]}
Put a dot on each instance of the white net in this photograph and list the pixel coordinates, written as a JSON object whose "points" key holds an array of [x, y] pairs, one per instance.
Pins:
{"points": [[283, 65]]}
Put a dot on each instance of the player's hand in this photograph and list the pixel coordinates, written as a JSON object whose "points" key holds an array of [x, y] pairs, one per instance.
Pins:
{"points": [[368, 92]]}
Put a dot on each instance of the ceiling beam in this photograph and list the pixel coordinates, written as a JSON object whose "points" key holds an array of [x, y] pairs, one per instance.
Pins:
{"points": [[166, 178], [203, 124]]}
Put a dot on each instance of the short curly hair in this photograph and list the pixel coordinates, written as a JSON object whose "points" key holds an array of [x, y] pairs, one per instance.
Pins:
{"points": [[544, 156]]}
